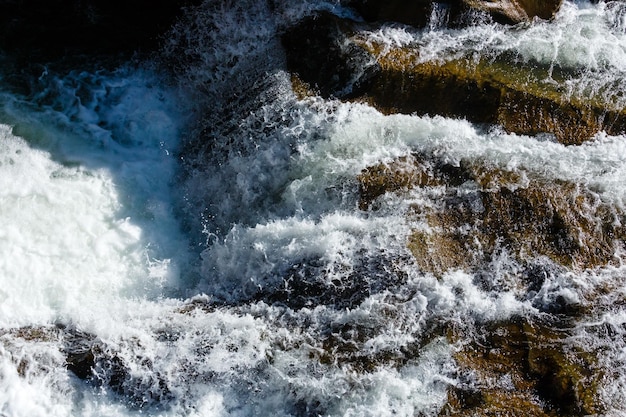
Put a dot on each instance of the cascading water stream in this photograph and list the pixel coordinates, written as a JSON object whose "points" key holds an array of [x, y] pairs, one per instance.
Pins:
{"points": [[200, 246]]}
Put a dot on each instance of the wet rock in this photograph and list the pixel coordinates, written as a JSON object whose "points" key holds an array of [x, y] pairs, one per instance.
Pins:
{"points": [[351, 344], [418, 13], [313, 283], [497, 210], [404, 173], [414, 13], [31, 362], [515, 96], [331, 56], [91, 359], [515, 11], [80, 350], [525, 366], [36, 333], [319, 52]]}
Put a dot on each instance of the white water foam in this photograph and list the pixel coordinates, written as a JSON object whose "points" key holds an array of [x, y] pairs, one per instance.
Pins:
{"points": [[89, 239], [87, 212]]}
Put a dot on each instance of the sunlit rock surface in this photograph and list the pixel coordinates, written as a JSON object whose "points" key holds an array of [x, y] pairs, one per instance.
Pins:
{"points": [[336, 58], [418, 13], [481, 210], [524, 367], [523, 98], [530, 366]]}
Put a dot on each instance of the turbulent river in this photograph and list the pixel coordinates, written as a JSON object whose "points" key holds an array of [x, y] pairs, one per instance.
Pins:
{"points": [[194, 237]]}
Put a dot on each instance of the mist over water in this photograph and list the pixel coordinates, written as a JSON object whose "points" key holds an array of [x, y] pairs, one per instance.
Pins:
{"points": [[200, 229]]}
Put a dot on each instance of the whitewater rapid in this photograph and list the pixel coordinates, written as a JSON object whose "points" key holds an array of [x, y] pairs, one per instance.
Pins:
{"points": [[166, 222]]}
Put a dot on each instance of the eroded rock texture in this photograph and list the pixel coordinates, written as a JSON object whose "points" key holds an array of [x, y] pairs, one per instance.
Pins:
{"points": [[335, 58], [524, 367], [527, 216], [533, 365], [87, 357], [519, 97], [417, 13]]}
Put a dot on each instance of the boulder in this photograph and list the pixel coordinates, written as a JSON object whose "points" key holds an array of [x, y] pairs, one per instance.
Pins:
{"points": [[319, 52], [516, 211], [418, 13], [544, 374], [89, 358], [330, 56], [521, 97]]}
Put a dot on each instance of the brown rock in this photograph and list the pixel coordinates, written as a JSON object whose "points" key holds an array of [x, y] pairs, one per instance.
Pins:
{"points": [[328, 55], [547, 376], [516, 11], [489, 91], [559, 220]]}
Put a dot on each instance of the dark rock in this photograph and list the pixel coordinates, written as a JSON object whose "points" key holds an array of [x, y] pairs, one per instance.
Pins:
{"points": [[91, 359], [79, 350], [416, 13], [308, 283], [319, 52]]}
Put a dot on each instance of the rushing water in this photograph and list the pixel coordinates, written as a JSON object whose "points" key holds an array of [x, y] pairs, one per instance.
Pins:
{"points": [[203, 229]]}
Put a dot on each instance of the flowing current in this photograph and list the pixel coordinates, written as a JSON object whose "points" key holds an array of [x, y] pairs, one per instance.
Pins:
{"points": [[199, 233]]}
